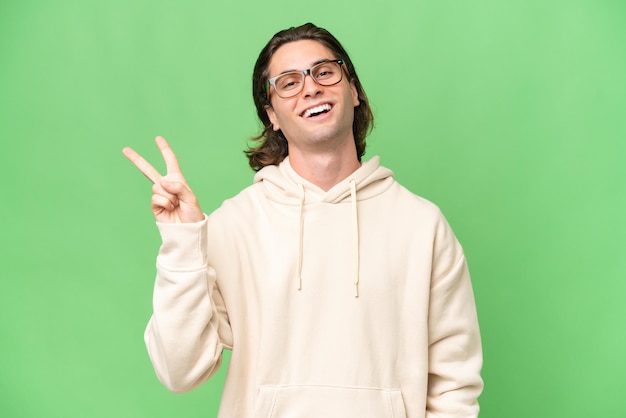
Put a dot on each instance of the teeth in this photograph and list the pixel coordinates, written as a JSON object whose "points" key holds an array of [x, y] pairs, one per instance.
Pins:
{"points": [[317, 109]]}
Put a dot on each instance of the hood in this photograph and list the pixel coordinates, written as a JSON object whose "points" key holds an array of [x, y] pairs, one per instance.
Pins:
{"points": [[283, 185]]}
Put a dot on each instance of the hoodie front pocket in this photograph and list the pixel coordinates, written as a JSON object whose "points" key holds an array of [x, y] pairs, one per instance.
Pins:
{"points": [[309, 401]]}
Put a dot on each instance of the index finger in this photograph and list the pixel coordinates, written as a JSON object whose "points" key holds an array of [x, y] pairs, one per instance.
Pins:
{"points": [[171, 162], [144, 166]]}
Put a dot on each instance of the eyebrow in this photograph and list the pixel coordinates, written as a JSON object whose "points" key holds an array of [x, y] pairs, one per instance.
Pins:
{"points": [[312, 65]]}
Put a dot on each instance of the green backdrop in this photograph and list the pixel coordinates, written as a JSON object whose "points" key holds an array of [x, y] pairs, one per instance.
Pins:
{"points": [[510, 115]]}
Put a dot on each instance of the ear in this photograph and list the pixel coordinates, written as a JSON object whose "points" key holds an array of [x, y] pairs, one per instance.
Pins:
{"points": [[272, 116], [355, 94]]}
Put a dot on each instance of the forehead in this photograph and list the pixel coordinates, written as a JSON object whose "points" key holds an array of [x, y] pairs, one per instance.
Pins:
{"points": [[298, 55]]}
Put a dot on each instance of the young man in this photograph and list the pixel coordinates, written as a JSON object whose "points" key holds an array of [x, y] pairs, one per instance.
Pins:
{"points": [[339, 292]]}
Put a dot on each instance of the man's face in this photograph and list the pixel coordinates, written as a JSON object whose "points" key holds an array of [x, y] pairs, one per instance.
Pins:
{"points": [[303, 131]]}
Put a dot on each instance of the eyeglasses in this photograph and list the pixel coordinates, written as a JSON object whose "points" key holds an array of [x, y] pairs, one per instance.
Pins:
{"points": [[289, 84]]}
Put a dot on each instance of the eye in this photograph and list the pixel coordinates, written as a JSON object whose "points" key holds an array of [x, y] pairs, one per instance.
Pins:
{"points": [[325, 71], [289, 81]]}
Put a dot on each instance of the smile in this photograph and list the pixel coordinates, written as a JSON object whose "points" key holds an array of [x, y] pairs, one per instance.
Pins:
{"points": [[317, 110]]}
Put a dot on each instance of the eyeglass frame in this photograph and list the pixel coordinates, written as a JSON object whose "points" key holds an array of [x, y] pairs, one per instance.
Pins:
{"points": [[272, 81]]}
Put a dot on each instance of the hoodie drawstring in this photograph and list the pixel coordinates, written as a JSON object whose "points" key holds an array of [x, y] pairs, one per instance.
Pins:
{"points": [[355, 236], [301, 237]]}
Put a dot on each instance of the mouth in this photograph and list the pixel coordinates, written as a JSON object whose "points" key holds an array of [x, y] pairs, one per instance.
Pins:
{"points": [[316, 111]]}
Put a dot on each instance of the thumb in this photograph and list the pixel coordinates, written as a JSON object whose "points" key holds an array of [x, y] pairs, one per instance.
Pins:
{"points": [[179, 189], [187, 203]]}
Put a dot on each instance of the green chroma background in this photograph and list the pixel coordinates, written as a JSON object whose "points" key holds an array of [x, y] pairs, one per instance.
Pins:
{"points": [[510, 115]]}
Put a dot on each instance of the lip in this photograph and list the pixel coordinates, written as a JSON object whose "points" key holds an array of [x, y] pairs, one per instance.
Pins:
{"points": [[332, 106]]}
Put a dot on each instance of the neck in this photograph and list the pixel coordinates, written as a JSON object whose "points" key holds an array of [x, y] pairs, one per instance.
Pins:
{"points": [[325, 169]]}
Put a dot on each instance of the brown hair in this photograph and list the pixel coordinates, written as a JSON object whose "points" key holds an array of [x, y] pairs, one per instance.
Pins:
{"points": [[270, 146]]}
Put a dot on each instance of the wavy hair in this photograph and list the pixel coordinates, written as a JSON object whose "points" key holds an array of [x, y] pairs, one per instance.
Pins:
{"points": [[270, 147]]}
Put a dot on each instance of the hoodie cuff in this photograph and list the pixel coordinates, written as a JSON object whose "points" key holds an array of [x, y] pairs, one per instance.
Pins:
{"points": [[184, 245]]}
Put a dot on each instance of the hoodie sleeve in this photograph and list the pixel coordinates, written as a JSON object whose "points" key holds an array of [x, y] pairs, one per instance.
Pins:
{"points": [[188, 329], [455, 353]]}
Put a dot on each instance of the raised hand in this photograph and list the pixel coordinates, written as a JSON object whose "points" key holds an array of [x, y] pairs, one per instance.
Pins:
{"points": [[172, 199]]}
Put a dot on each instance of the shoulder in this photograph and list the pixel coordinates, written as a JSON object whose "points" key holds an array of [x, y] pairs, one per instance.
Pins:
{"points": [[416, 213], [406, 200], [238, 205]]}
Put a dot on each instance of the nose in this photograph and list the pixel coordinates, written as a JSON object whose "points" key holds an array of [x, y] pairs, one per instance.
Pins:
{"points": [[310, 87]]}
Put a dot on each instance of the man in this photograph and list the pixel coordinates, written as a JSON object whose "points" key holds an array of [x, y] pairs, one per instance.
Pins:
{"points": [[340, 293]]}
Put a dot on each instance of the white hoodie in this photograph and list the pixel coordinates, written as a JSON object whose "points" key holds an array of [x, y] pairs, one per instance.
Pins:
{"points": [[351, 303]]}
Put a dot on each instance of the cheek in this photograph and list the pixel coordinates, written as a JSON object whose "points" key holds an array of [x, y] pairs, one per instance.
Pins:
{"points": [[282, 114]]}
